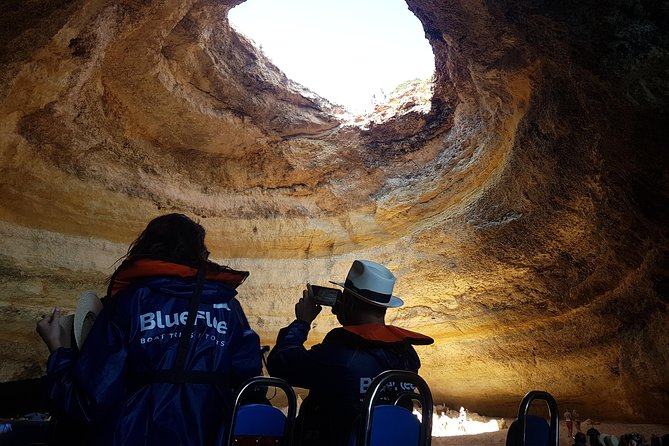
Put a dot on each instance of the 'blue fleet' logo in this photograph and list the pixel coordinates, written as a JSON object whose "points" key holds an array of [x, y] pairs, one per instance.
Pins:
{"points": [[151, 320]]}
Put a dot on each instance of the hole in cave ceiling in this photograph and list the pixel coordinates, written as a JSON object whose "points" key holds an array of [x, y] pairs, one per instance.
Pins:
{"points": [[353, 53]]}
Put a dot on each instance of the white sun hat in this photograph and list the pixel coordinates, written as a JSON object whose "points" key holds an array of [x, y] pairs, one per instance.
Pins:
{"points": [[84, 316], [67, 326], [371, 282]]}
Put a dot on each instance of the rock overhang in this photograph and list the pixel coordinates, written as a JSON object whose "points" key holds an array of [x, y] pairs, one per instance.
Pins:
{"points": [[507, 211]]}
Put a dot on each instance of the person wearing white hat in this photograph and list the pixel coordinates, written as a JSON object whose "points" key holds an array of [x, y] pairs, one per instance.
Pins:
{"points": [[338, 371]]}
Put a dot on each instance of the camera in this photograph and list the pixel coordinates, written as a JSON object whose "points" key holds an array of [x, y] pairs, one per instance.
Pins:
{"points": [[324, 295]]}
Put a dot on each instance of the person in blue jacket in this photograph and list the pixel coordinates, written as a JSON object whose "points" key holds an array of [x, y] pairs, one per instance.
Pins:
{"points": [[339, 370], [166, 352]]}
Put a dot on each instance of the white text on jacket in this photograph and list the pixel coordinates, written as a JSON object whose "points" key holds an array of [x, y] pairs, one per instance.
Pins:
{"points": [[149, 321]]}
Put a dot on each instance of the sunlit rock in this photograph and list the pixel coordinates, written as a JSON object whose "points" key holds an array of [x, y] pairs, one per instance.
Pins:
{"points": [[524, 211]]}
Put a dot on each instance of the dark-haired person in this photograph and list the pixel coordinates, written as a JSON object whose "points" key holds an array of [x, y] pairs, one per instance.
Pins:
{"points": [[165, 354], [579, 439], [633, 439], [593, 437], [338, 371]]}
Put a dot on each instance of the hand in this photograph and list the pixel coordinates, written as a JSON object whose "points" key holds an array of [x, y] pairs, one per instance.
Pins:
{"points": [[306, 309], [49, 330]]}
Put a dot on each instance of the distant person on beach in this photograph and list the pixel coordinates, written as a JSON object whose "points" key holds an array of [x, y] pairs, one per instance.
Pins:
{"points": [[339, 370], [568, 423], [462, 420], [166, 352], [577, 419]]}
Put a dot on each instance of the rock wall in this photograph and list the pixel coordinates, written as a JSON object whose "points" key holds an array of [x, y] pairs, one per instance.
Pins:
{"points": [[525, 214]]}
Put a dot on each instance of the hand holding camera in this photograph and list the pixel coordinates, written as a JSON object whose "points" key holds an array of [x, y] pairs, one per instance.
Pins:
{"points": [[309, 306], [306, 309], [324, 295]]}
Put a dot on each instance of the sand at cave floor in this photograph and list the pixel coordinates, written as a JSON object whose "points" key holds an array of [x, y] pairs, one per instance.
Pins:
{"points": [[499, 438]]}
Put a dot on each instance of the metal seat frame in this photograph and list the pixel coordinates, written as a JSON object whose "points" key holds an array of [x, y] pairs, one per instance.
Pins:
{"points": [[424, 397], [553, 431], [250, 385]]}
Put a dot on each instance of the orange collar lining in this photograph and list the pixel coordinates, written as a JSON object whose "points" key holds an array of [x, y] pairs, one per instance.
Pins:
{"points": [[388, 333], [143, 268]]}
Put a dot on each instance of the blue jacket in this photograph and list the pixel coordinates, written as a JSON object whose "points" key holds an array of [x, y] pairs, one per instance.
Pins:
{"points": [[121, 381], [338, 372]]}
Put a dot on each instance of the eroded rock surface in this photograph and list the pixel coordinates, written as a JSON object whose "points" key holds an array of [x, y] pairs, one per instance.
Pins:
{"points": [[525, 214]]}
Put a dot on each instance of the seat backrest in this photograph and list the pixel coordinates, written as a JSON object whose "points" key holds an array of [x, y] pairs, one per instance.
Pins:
{"points": [[260, 419], [532, 430], [394, 425], [536, 432], [261, 424]]}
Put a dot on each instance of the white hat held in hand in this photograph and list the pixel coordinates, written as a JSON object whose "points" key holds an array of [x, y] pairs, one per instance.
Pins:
{"points": [[88, 308], [79, 324]]}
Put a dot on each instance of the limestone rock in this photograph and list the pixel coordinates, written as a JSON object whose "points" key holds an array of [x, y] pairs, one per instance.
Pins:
{"points": [[524, 210]]}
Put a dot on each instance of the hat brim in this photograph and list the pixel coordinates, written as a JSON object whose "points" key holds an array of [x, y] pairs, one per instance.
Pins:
{"points": [[67, 327], [394, 301], [88, 308]]}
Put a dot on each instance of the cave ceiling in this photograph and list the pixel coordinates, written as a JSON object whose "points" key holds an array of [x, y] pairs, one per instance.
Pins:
{"points": [[525, 213]]}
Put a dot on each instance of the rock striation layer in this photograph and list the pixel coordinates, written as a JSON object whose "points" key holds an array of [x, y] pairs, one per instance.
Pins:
{"points": [[525, 213]]}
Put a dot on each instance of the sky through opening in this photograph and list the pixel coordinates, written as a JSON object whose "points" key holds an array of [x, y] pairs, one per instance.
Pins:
{"points": [[346, 51]]}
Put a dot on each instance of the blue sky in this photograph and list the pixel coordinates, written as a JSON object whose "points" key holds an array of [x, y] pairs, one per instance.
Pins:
{"points": [[344, 50]]}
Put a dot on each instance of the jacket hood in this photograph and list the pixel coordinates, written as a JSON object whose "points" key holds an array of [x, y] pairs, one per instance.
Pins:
{"points": [[134, 269]]}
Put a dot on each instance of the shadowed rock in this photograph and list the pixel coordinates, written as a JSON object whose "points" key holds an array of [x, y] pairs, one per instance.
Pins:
{"points": [[525, 214]]}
